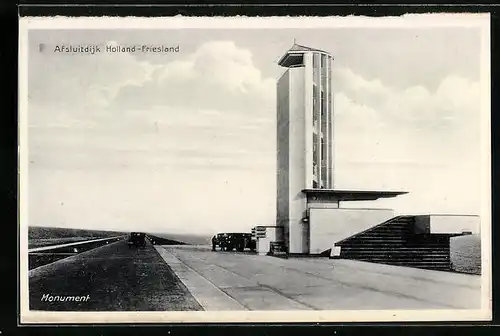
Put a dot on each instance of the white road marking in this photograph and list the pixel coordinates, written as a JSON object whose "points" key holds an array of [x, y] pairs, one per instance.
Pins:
{"points": [[52, 247]]}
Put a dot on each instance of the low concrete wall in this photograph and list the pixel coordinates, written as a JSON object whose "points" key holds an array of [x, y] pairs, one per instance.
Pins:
{"points": [[328, 226], [447, 224]]}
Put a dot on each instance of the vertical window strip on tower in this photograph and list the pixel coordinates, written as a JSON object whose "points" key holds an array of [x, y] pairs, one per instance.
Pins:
{"points": [[316, 120], [330, 112]]}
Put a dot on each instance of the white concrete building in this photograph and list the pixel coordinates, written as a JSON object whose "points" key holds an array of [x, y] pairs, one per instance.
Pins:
{"points": [[309, 219]]}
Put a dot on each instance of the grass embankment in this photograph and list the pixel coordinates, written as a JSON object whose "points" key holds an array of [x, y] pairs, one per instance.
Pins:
{"points": [[46, 236]]}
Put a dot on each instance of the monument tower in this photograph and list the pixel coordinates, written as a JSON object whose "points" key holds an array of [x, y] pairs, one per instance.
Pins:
{"points": [[306, 196]]}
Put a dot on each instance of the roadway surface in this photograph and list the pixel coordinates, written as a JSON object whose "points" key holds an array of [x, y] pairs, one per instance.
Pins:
{"points": [[115, 278], [161, 278], [239, 281]]}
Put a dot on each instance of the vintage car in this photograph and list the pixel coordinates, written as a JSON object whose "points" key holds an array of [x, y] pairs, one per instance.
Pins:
{"points": [[137, 239], [235, 240]]}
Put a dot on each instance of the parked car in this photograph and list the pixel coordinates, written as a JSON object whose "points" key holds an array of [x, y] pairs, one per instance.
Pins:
{"points": [[235, 240], [137, 239]]}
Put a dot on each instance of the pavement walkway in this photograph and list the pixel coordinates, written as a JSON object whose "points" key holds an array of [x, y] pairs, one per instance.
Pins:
{"points": [[242, 281]]}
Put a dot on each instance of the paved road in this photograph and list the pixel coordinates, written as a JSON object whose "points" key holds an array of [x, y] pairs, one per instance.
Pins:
{"points": [[181, 278], [115, 278], [234, 281]]}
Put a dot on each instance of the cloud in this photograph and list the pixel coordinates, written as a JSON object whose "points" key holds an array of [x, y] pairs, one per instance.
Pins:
{"points": [[450, 114], [425, 142], [157, 139], [80, 81], [109, 105], [218, 76], [455, 102]]}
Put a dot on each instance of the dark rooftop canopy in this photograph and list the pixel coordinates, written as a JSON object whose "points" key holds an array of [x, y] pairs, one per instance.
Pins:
{"points": [[352, 195], [294, 56], [298, 47]]}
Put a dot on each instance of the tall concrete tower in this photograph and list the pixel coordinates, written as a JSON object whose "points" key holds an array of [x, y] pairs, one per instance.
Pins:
{"points": [[305, 159], [305, 104]]}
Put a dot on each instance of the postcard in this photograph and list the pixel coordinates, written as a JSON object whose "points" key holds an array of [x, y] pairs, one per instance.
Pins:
{"points": [[254, 169]]}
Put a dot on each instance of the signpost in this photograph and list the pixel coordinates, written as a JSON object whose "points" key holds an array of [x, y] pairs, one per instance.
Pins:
{"points": [[260, 232]]}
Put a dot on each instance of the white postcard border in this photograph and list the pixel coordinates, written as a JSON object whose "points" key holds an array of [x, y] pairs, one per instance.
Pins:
{"points": [[179, 22]]}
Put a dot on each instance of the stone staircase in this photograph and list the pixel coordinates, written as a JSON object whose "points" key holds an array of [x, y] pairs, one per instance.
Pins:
{"points": [[396, 242]]}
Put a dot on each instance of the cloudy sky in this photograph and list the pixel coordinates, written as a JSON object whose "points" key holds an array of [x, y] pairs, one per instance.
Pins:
{"points": [[185, 142]]}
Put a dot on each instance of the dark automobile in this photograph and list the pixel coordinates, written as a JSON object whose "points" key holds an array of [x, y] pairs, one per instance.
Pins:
{"points": [[236, 240], [137, 239]]}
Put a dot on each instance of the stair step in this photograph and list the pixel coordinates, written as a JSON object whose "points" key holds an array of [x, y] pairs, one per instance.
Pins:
{"points": [[396, 251], [406, 262], [392, 228], [416, 265], [393, 249], [390, 248], [385, 257], [379, 234], [391, 243], [407, 243], [381, 239], [397, 257]]}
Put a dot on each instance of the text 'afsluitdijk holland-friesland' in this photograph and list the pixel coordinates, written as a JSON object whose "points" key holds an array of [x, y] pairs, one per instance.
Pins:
{"points": [[112, 48]]}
